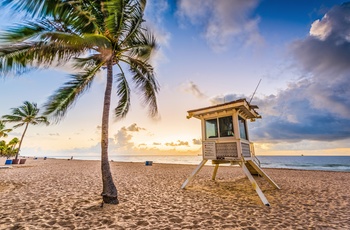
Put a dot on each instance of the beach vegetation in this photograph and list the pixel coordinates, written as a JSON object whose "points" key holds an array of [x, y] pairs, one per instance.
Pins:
{"points": [[9, 149], [94, 36], [24, 115], [3, 131]]}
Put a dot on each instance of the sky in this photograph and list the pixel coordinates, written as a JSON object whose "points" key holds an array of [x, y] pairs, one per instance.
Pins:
{"points": [[212, 52]]}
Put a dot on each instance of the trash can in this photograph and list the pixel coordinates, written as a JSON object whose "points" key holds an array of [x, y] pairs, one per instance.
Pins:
{"points": [[22, 161], [148, 163], [8, 162]]}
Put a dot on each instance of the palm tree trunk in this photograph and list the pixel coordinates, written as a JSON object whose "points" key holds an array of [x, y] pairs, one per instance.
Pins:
{"points": [[109, 193], [20, 142]]}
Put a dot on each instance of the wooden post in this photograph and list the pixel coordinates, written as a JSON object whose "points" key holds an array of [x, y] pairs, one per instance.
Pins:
{"points": [[255, 185], [215, 171], [194, 173], [262, 173]]}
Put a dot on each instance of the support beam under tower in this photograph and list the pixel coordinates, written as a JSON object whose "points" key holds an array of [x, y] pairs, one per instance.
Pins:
{"points": [[194, 173]]}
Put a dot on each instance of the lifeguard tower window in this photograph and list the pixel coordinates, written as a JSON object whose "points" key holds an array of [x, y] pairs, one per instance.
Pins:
{"points": [[225, 127], [242, 128], [211, 127]]}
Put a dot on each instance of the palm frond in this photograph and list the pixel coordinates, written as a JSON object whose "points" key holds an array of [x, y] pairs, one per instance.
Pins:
{"points": [[87, 62], [115, 13], [142, 46], [132, 25], [3, 131], [144, 78], [123, 92], [143, 5], [20, 57], [13, 119], [58, 47], [84, 16], [21, 32], [59, 103], [26, 113], [34, 7]]}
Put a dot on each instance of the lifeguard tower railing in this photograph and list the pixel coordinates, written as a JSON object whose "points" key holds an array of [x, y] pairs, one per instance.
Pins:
{"points": [[234, 150]]}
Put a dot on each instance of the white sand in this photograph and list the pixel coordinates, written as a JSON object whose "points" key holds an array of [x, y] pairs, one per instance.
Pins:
{"points": [[62, 194]]}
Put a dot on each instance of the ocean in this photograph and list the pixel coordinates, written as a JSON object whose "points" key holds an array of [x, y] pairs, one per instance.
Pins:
{"points": [[323, 163]]}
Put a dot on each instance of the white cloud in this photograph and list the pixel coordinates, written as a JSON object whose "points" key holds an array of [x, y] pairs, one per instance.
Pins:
{"points": [[134, 128], [123, 139], [321, 29]]}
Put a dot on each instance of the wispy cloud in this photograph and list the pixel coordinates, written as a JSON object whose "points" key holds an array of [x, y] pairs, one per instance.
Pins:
{"points": [[54, 134], [224, 21], [197, 141], [178, 143], [192, 88]]}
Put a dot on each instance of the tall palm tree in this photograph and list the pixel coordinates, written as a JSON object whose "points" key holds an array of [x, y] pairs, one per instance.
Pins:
{"points": [[4, 132], [95, 35], [27, 114]]}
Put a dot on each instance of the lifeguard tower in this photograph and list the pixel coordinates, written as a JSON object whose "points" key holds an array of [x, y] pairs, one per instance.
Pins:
{"points": [[225, 139]]}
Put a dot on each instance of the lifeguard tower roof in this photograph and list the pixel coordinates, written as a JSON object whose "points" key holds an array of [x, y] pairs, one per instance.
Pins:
{"points": [[246, 109]]}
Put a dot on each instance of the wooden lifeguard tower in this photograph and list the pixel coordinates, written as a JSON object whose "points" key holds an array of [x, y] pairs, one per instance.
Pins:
{"points": [[225, 139]]}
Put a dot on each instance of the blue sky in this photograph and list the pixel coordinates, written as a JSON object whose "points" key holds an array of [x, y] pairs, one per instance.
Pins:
{"points": [[211, 52]]}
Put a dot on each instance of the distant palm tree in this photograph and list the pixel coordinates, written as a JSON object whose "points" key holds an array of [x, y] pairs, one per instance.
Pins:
{"points": [[4, 132], [3, 148], [96, 35], [9, 149], [13, 143], [27, 114]]}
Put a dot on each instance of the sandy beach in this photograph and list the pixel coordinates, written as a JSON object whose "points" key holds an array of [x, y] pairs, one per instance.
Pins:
{"points": [[65, 194]]}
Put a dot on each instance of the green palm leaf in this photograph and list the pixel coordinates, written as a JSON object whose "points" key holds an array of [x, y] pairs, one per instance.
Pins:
{"points": [[64, 97], [123, 92]]}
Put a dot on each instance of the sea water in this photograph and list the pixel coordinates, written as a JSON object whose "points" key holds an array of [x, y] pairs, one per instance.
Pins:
{"points": [[324, 163]]}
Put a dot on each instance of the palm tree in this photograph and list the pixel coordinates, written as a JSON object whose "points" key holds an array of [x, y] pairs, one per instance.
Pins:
{"points": [[4, 132], [95, 35], [3, 148], [9, 150], [27, 114], [12, 144]]}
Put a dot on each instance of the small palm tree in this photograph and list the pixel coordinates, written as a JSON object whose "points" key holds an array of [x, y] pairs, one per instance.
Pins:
{"points": [[27, 114], [9, 149], [13, 143], [4, 132], [97, 35], [3, 148]]}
